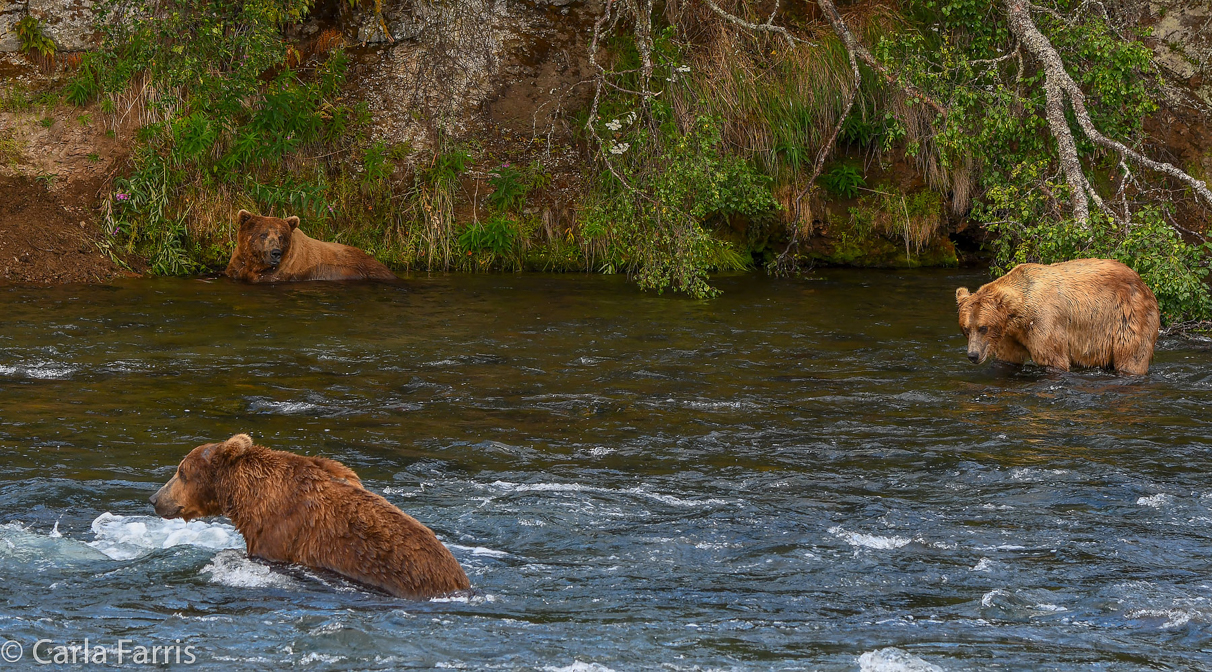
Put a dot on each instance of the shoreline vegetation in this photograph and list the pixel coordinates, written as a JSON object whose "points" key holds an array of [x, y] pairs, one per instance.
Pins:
{"points": [[709, 136]]}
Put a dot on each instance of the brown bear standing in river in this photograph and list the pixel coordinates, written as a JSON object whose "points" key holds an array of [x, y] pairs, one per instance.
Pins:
{"points": [[1087, 312], [310, 511], [269, 249]]}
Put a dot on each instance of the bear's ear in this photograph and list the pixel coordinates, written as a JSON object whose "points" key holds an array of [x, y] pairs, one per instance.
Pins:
{"points": [[235, 446], [243, 218], [961, 295], [293, 221]]}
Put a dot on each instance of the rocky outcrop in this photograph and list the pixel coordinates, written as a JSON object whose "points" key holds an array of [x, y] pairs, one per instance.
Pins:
{"points": [[455, 66], [69, 23], [1182, 41]]}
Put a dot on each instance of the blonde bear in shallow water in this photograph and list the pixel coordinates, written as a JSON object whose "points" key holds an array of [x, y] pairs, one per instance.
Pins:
{"points": [[1086, 312]]}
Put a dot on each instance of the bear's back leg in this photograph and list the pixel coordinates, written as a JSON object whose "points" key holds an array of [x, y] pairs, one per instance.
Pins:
{"points": [[1136, 334]]}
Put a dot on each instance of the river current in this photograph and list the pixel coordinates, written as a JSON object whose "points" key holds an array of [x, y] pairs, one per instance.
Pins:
{"points": [[804, 474]]}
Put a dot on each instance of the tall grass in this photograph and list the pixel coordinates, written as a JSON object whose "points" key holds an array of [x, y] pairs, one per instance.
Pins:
{"points": [[778, 103]]}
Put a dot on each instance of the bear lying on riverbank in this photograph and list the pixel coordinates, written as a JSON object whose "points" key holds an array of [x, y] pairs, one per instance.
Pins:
{"points": [[269, 249], [1087, 312], [310, 511]]}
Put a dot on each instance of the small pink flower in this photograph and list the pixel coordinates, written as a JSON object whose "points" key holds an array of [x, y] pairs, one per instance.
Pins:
{"points": [[122, 197]]}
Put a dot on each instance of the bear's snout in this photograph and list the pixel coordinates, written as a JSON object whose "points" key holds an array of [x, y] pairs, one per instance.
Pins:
{"points": [[163, 504], [974, 357], [275, 256]]}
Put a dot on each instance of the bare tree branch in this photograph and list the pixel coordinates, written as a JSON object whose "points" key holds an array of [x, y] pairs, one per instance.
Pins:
{"points": [[1054, 108], [819, 164], [767, 27], [600, 80], [643, 41], [1058, 85], [829, 143], [857, 49]]}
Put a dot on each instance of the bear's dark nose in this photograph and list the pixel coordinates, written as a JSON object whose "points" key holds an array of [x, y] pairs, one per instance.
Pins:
{"points": [[974, 357], [154, 497], [276, 255]]}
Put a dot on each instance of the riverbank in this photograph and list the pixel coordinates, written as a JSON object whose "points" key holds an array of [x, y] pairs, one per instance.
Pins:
{"points": [[517, 146]]}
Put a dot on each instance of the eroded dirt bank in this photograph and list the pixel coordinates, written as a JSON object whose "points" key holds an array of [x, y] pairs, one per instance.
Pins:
{"points": [[46, 236]]}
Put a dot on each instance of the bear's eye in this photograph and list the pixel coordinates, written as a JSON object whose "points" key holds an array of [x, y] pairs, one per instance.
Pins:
{"points": [[983, 329], [264, 236]]}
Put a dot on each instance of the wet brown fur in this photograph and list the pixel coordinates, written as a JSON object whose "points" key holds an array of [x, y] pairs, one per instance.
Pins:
{"points": [[1086, 313], [310, 511], [303, 257]]}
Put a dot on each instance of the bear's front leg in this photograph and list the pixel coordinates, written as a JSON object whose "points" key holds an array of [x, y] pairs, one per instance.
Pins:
{"points": [[1052, 361], [1011, 351]]}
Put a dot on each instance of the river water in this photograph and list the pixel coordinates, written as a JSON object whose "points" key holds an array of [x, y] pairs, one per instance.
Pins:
{"points": [[802, 474]]}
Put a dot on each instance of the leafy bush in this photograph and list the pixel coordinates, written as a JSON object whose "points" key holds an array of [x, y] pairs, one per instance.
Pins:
{"points": [[843, 180], [141, 215], [31, 38], [496, 235], [883, 132], [511, 184], [655, 224], [447, 167]]}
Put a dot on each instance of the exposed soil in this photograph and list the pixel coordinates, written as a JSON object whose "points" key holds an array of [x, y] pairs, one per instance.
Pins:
{"points": [[54, 159], [45, 236], [1182, 134]]}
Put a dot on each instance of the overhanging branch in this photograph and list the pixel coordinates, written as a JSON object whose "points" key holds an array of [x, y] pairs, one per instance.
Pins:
{"points": [[766, 27], [1058, 85]]}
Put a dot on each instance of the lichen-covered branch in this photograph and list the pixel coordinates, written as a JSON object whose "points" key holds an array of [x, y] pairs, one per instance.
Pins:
{"points": [[857, 49], [766, 27], [607, 16], [643, 42], [1057, 86]]}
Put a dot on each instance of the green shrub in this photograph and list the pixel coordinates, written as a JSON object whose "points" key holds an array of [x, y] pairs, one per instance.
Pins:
{"points": [[656, 225], [32, 39], [495, 235], [511, 184], [843, 181]]}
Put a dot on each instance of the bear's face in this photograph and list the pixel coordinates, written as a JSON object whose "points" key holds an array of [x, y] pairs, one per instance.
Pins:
{"points": [[264, 240], [983, 319], [190, 493]]}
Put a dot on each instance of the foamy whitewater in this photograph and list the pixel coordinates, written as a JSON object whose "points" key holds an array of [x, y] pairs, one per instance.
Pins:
{"points": [[235, 569], [128, 537], [893, 659]]}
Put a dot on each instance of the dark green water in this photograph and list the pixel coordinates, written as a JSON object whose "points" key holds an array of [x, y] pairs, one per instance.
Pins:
{"points": [[802, 474]]}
